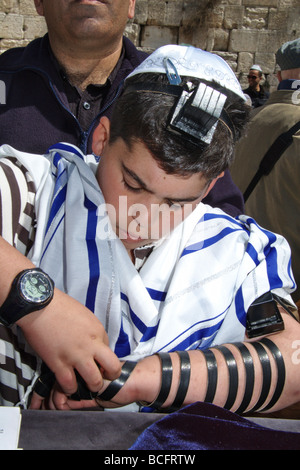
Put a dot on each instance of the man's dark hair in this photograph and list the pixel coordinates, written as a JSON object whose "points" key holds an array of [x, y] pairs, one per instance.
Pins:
{"points": [[143, 116]]}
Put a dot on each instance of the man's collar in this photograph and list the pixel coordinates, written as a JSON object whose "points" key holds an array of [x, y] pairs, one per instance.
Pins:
{"points": [[288, 84]]}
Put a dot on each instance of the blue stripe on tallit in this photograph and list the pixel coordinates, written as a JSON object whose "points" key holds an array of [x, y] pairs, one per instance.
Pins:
{"points": [[66, 148], [94, 264], [252, 253], [275, 281], [122, 347], [216, 238], [156, 294], [51, 238], [197, 335], [211, 216], [208, 242], [135, 319], [289, 269], [60, 189], [57, 203], [271, 256], [272, 265], [148, 332], [240, 307]]}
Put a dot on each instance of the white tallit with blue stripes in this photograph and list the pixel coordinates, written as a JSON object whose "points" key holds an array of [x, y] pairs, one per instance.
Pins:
{"points": [[192, 292]]}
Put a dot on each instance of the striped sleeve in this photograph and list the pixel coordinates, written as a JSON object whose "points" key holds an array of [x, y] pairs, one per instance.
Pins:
{"points": [[17, 197]]}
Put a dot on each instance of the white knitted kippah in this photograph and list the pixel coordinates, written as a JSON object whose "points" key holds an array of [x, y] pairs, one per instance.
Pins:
{"points": [[192, 62], [256, 67]]}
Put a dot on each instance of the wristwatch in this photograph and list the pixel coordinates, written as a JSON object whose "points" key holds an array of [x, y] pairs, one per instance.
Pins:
{"points": [[31, 290]]}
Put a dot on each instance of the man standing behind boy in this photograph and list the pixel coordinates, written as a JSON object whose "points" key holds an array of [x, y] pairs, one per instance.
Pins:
{"points": [[255, 90]]}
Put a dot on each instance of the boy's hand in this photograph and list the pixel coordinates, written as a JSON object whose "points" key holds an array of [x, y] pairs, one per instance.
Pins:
{"points": [[68, 336]]}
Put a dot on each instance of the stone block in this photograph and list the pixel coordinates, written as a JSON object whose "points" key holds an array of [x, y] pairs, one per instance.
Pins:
{"points": [[260, 3], [272, 82], [293, 21], [234, 2], [132, 32], [233, 17], [9, 6], [141, 12], [173, 13], [277, 19], [27, 7], [193, 12], [215, 17], [167, 13], [197, 37], [255, 18], [243, 41], [11, 26], [266, 60], [245, 61], [270, 41], [34, 27], [9, 43], [221, 38], [156, 36]]}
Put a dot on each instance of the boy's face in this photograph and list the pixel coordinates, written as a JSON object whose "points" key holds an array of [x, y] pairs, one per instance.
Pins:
{"points": [[144, 203]]}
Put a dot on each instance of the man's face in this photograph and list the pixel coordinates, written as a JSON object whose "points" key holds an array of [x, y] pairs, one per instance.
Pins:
{"points": [[85, 19], [254, 78], [144, 203]]}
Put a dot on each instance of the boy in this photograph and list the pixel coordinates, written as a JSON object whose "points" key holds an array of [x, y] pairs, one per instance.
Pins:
{"points": [[169, 275]]}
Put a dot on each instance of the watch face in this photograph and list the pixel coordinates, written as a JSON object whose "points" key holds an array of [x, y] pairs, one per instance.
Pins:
{"points": [[35, 287]]}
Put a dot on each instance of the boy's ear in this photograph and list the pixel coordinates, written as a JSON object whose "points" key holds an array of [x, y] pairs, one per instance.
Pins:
{"points": [[101, 136], [212, 183]]}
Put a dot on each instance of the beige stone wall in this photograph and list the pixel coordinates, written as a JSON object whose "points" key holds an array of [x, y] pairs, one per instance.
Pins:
{"points": [[243, 32]]}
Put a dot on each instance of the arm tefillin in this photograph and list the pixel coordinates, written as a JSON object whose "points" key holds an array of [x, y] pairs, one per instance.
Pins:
{"points": [[260, 349], [263, 318]]}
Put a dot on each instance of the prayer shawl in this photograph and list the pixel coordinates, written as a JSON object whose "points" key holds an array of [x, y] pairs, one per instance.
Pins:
{"points": [[192, 292]]}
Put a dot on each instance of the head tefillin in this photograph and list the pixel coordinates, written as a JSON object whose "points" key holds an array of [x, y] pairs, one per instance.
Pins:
{"points": [[199, 107], [197, 113]]}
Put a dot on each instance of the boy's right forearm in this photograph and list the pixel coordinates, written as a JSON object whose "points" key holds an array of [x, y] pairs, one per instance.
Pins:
{"points": [[65, 334]]}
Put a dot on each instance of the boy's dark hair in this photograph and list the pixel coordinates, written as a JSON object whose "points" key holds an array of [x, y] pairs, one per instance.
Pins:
{"points": [[143, 116]]}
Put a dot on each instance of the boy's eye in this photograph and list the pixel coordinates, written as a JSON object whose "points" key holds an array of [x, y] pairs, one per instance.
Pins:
{"points": [[131, 188], [174, 205]]}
